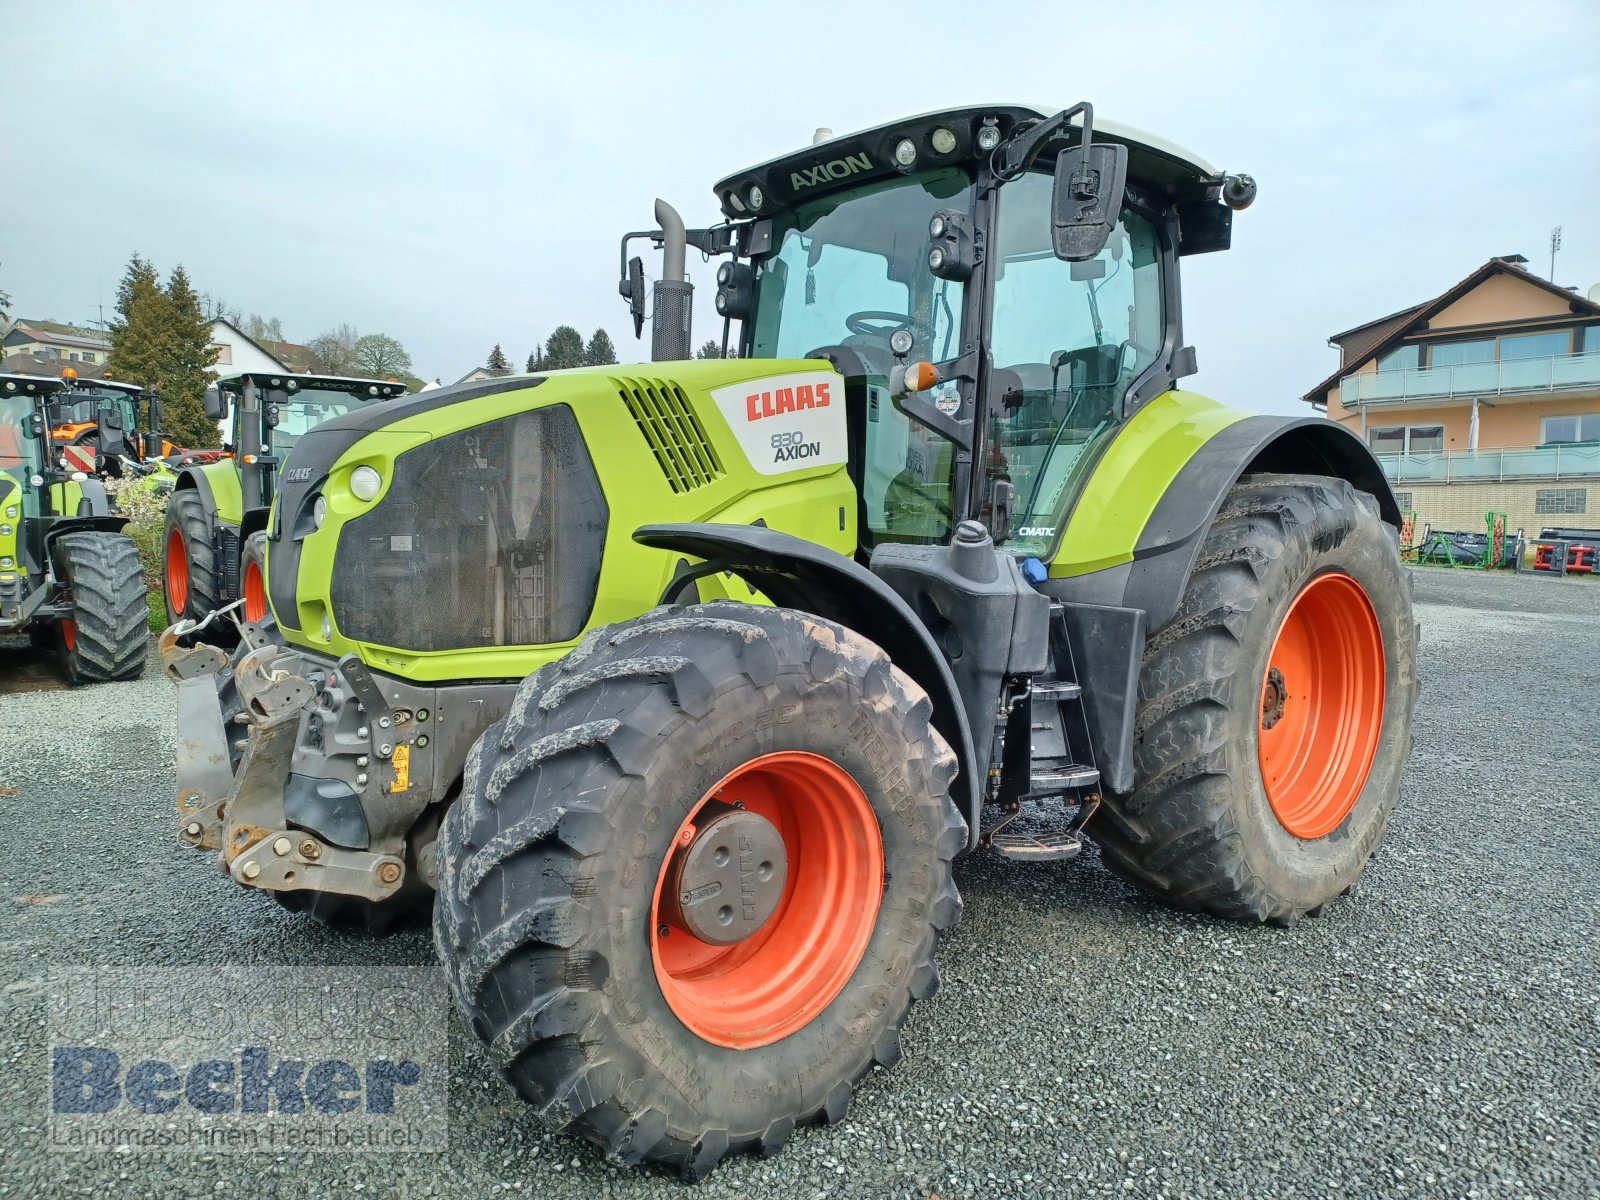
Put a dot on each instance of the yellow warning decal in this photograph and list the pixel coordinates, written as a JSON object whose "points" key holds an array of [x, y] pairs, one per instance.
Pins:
{"points": [[402, 768]]}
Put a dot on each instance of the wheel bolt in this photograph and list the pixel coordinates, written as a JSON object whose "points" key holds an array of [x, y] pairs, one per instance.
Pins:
{"points": [[662, 931]]}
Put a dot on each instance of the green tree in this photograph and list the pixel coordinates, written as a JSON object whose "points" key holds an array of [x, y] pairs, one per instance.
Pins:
{"points": [[711, 349], [263, 329], [535, 362], [333, 351], [379, 356], [5, 309], [563, 349], [498, 363], [599, 352], [187, 372]]}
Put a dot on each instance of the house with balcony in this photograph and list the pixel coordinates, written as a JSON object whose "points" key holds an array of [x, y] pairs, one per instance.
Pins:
{"points": [[1484, 398]]}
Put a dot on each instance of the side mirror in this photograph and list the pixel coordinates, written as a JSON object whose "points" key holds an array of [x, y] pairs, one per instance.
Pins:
{"points": [[632, 289], [1087, 201], [216, 405], [110, 418], [736, 284]]}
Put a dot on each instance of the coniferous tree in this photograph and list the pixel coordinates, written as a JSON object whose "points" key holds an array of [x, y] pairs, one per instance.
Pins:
{"points": [[187, 371], [599, 352], [710, 349], [535, 362], [564, 349], [498, 363]]}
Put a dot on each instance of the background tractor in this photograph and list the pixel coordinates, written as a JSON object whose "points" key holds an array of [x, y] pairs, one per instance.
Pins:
{"points": [[679, 686], [95, 426], [213, 547], [69, 577]]}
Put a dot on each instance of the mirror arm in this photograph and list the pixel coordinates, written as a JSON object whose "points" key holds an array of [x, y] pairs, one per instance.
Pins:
{"points": [[1015, 156]]}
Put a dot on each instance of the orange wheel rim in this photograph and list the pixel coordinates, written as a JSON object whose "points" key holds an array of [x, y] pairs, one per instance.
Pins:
{"points": [[777, 980], [177, 571], [1321, 706], [255, 593], [69, 634]]}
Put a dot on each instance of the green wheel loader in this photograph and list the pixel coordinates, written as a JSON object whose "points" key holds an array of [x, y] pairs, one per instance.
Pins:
{"points": [[679, 686], [213, 545], [69, 576]]}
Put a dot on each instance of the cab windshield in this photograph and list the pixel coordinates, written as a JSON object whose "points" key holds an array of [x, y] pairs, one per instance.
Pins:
{"points": [[19, 454], [849, 269], [302, 411], [82, 406]]}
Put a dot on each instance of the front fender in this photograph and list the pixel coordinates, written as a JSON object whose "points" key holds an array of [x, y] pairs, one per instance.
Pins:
{"points": [[795, 573]]}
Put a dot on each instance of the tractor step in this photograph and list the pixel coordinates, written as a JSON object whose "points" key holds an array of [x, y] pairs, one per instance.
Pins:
{"points": [[1056, 689], [1045, 847], [1050, 780]]}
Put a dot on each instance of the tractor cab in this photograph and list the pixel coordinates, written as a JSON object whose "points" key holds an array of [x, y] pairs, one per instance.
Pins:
{"points": [[271, 412], [95, 424], [997, 315]]}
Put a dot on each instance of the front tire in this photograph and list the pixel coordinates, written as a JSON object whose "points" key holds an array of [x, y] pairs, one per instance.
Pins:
{"points": [[253, 577], [1274, 711], [108, 635], [561, 916], [189, 569]]}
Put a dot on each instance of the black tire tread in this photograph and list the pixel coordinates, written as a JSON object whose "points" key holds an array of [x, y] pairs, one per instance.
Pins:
{"points": [[109, 609], [186, 511]]}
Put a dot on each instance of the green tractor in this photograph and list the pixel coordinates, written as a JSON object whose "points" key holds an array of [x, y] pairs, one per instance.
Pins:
{"points": [[675, 689], [213, 546], [69, 576]]}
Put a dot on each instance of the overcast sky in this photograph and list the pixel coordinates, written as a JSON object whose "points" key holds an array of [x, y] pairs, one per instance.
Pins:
{"points": [[459, 175]]}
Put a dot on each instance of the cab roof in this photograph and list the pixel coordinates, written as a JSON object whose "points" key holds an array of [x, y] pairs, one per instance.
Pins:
{"points": [[867, 154], [382, 389], [31, 385]]}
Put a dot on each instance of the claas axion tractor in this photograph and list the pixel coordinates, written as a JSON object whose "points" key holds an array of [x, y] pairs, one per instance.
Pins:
{"points": [[69, 576], [214, 543], [676, 688]]}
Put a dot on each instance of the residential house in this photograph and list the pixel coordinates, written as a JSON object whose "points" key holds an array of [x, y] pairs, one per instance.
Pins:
{"points": [[1484, 398], [237, 352], [46, 347]]}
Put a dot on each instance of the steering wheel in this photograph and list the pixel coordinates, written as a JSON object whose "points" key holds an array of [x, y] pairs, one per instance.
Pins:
{"points": [[877, 322]]}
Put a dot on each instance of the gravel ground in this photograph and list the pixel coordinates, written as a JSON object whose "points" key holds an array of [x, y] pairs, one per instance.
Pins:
{"points": [[1435, 1034]]}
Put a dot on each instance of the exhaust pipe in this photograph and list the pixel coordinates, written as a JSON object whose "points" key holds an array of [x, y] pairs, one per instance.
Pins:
{"points": [[674, 294]]}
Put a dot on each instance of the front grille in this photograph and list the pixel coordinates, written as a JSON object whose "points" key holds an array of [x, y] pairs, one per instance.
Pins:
{"points": [[673, 432], [488, 537]]}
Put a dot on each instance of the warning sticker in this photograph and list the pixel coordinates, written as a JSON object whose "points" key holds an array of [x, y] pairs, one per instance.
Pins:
{"points": [[402, 768], [786, 422]]}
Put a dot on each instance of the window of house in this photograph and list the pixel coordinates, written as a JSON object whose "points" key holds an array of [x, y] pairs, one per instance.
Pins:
{"points": [[88, 356], [1536, 345], [1459, 354], [1402, 358], [224, 355], [1403, 500], [1560, 501], [1589, 339], [1406, 439], [72, 356], [1581, 427]]}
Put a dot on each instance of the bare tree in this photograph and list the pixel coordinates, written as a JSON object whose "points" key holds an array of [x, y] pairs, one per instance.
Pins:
{"points": [[333, 351]]}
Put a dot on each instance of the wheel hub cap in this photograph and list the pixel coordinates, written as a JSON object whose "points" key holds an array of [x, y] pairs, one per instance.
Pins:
{"points": [[728, 874]]}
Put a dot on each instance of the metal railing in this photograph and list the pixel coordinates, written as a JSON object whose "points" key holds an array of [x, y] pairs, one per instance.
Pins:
{"points": [[1527, 376], [1446, 466]]}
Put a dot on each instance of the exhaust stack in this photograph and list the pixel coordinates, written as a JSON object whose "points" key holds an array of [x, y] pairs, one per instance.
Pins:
{"points": [[674, 294]]}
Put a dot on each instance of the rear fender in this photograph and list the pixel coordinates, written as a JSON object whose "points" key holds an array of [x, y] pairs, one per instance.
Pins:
{"points": [[1155, 568], [795, 573]]}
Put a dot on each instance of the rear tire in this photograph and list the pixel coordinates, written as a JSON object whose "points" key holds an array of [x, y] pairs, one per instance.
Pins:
{"points": [[1215, 821], [550, 910], [192, 580], [109, 634]]}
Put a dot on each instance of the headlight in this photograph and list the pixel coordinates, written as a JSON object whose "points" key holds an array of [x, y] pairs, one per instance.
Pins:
{"points": [[905, 152], [7, 530], [8, 561], [754, 195], [327, 628], [366, 483], [943, 141], [319, 512]]}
